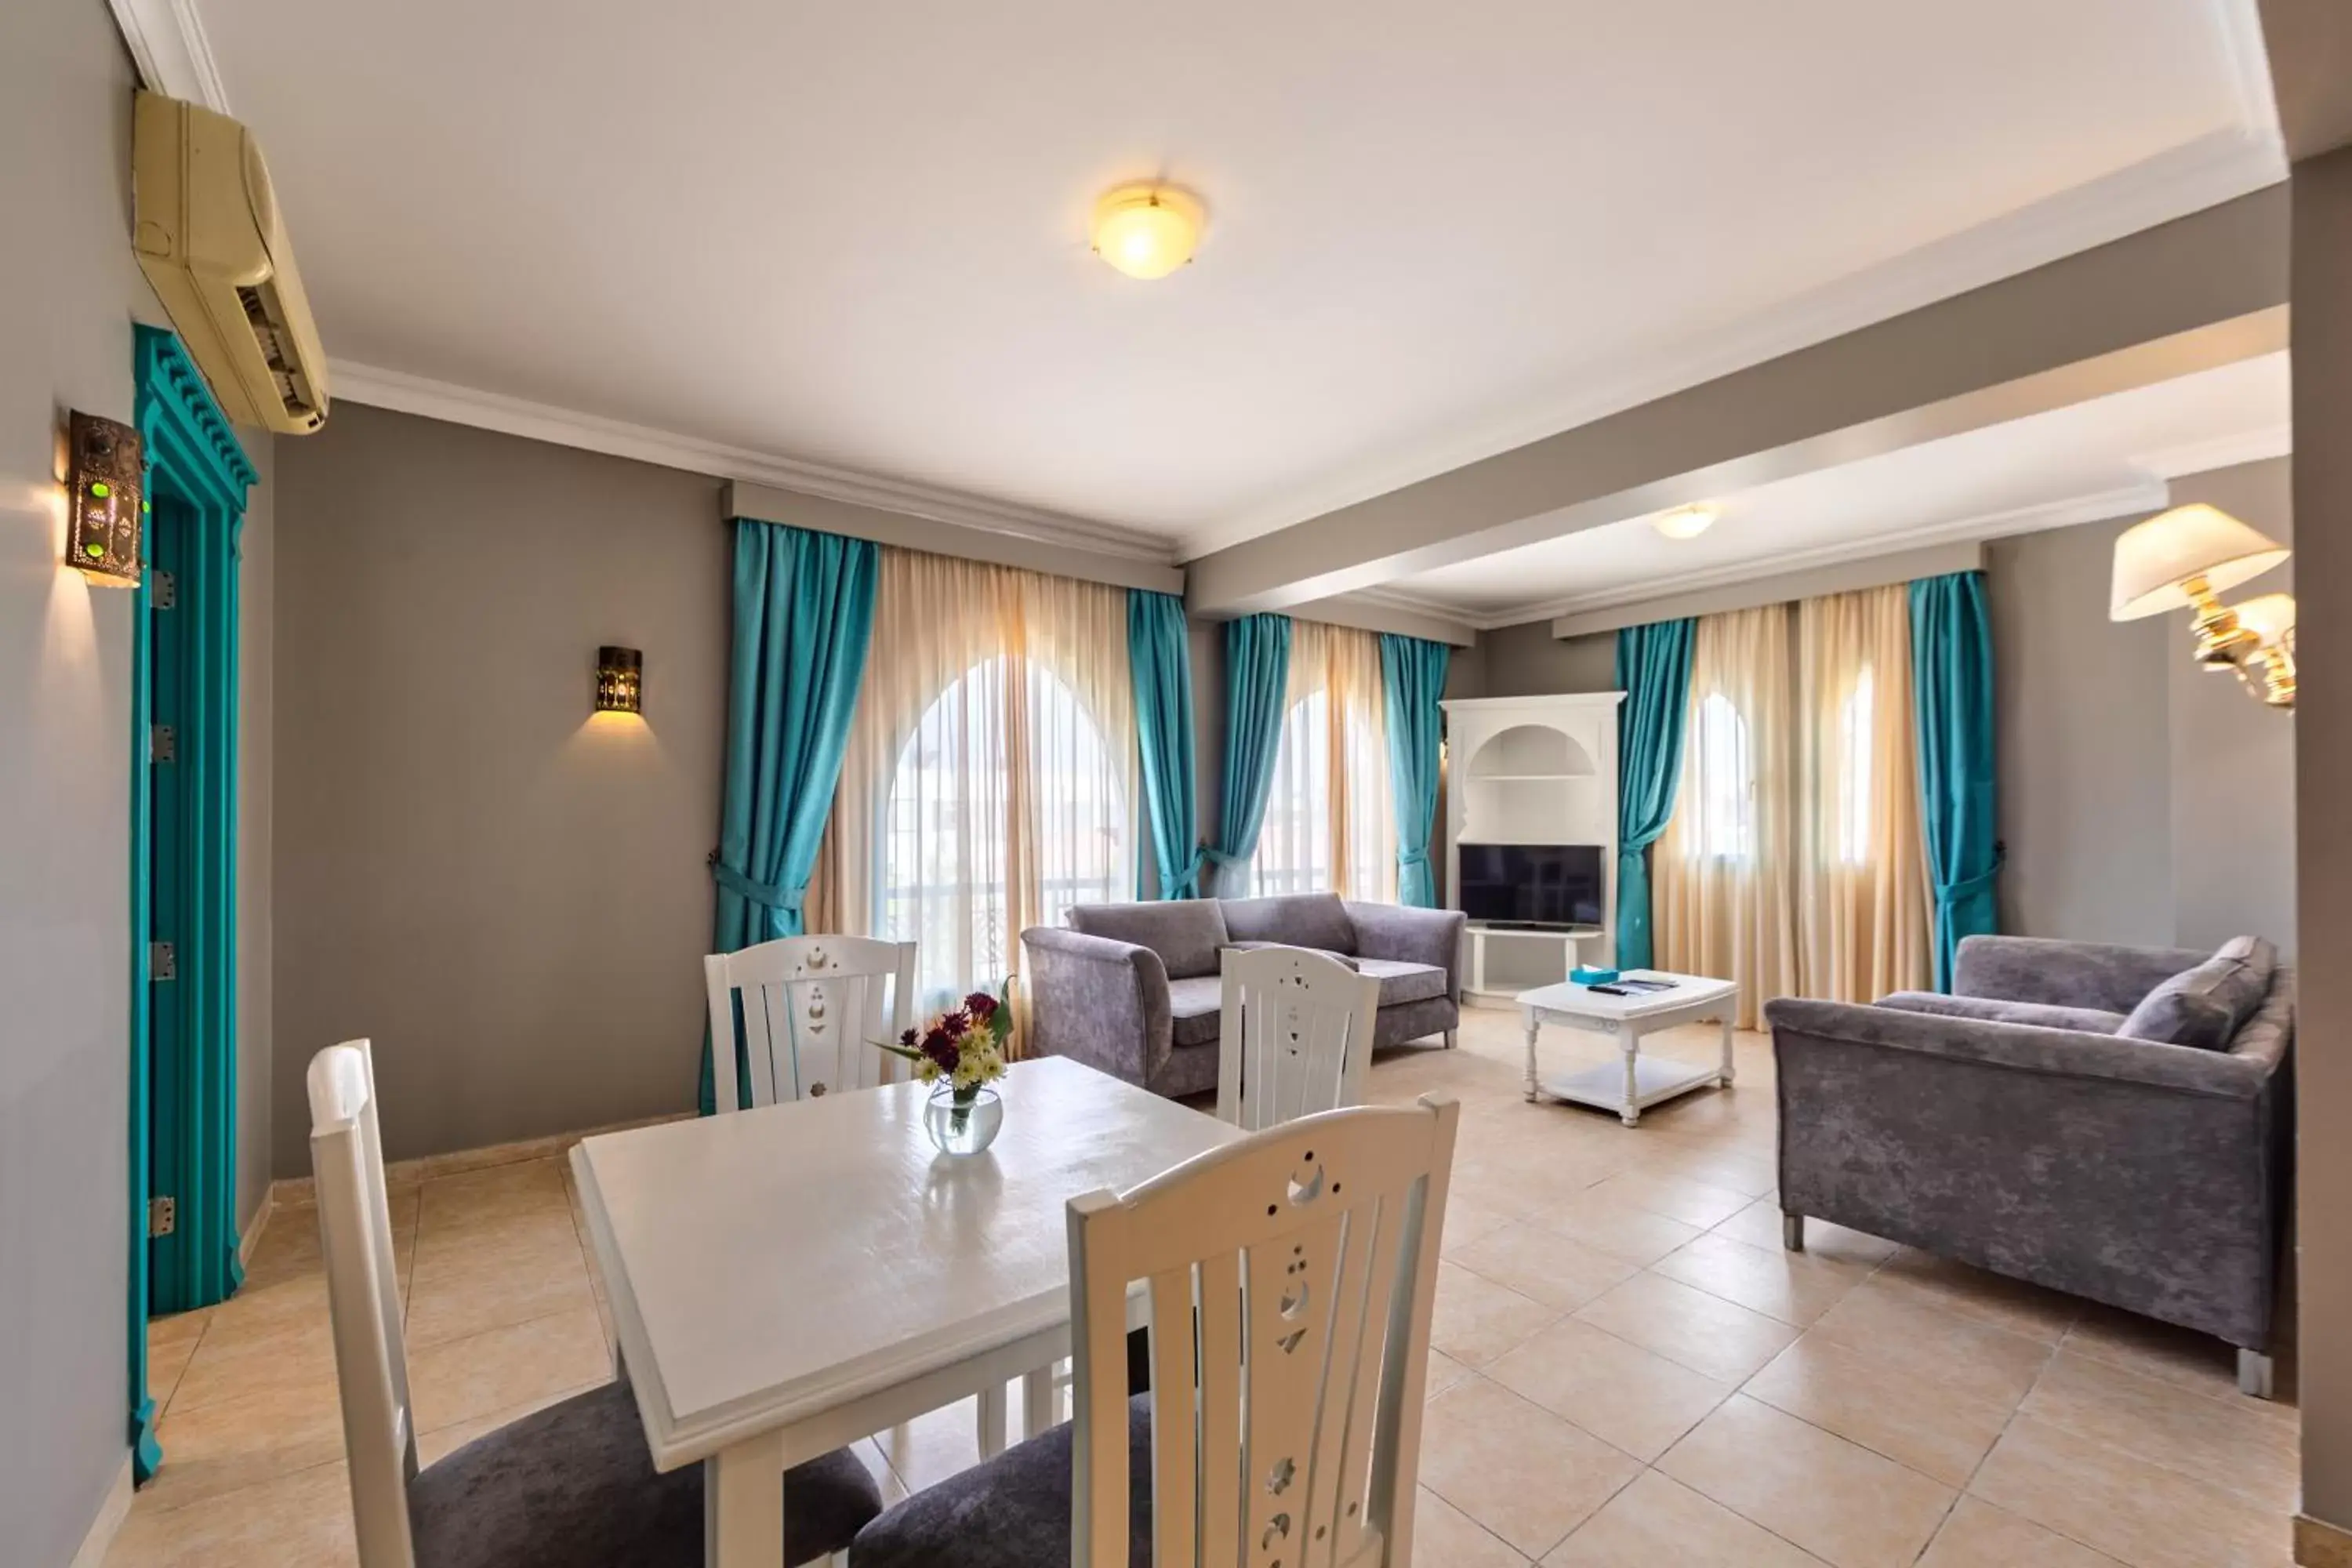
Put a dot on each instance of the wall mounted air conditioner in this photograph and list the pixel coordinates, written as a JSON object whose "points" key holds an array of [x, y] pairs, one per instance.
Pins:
{"points": [[210, 240]]}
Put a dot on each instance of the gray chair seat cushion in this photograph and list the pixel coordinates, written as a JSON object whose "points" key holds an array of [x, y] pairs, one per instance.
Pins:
{"points": [[2204, 1006], [1295, 919], [1196, 1009], [1012, 1511], [573, 1486], [1402, 981], [1185, 933], [2040, 1014]]}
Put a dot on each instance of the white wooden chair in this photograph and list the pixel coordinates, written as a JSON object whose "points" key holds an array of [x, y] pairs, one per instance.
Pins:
{"points": [[573, 1483], [1291, 1277], [815, 1008], [1295, 1036]]}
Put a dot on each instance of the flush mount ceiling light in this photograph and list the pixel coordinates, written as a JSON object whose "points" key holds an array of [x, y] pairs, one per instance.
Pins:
{"points": [[1684, 522], [1147, 231]]}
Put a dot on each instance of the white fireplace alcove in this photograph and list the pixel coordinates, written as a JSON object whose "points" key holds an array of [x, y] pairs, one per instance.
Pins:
{"points": [[1532, 770]]}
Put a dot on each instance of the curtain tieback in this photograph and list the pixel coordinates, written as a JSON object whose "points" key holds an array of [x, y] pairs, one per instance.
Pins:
{"points": [[1408, 858], [767, 893], [1953, 892], [1219, 856]]}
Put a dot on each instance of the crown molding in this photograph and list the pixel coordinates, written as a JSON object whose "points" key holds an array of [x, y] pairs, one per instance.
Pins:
{"points": [[167, 43], [2151, 495], [2220, 452], [456, 405], [1405, 615], [2176, 184]]}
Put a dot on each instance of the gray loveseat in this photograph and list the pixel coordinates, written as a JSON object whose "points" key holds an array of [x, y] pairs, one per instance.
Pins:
{"points": [[1134, 989], [2041, 1122]]}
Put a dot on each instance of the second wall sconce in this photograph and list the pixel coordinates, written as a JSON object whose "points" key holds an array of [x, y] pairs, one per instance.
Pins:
{"points": [[108, 471], [2186, 559], [619, 680]]}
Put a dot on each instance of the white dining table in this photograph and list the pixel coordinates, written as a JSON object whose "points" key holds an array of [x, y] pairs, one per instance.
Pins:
{"points": [[788, 1279]]}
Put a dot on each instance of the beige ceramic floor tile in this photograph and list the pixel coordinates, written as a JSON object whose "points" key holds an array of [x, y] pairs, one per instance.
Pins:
{"points": [[243, 1440], [1676, 1197], [445, 1440], [1515, 1467], [2111, 1500], [1970, 1358], [2248, 1453], [1477, 1320], [1468, 1221], [467, 1378], [1759, 1225], [1620, 1229], [1979, 1535], [302, 1520], [167, 1361], [1545, 1265], [1446, 1537], [931, 1447], [1883, 1406], [1624, 1396], [1794, 1287], [1704, 1333], [1710, 1162], [1658, 1522], [486, 1197], [460, 1292], [2011, 1304], [2192, 1361], [1841, 1502], [1445, 1372], [293, 1359]]}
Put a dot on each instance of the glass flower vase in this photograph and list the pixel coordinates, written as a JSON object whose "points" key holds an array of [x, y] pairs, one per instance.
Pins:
{"points": [[962, 1123]]}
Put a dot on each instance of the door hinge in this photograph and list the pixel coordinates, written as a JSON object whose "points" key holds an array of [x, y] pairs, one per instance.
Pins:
{"points": [[163, 961], [162, 1215], [164, 745], [165, 591]]}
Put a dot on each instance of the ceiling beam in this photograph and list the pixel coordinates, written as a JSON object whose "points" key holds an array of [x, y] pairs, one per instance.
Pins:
{"points": [[2310, 46], [2201, 291]]}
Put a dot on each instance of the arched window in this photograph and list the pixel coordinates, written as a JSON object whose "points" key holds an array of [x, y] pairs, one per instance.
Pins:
{"points": [[1727, 782], [959, 817], [1309, 803], [1853, 742]]}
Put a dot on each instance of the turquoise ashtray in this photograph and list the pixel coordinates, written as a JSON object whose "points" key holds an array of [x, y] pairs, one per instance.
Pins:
{"points": [[1584, 977]]}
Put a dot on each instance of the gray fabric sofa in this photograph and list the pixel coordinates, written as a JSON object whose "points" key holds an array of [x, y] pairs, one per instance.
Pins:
{"points": [[1134, 989], [2027, 1124]]}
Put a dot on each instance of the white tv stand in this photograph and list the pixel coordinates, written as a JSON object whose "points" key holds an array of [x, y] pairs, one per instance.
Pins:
{"points": [[1480, 935], [1532, 770]]}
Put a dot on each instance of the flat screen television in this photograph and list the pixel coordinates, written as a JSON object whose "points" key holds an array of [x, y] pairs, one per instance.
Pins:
{"points": [[1531, 884]]}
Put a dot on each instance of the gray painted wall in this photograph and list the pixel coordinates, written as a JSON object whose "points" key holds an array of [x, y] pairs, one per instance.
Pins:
{"points": [[68, 290], [508, 897]]}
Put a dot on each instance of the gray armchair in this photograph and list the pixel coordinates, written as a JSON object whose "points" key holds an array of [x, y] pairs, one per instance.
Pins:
{"points": [[1133, 989], [2115, 1122]]}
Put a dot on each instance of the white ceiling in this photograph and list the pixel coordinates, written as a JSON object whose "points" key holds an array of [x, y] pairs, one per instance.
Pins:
{"points": [[2099, 459], [854, 235]]}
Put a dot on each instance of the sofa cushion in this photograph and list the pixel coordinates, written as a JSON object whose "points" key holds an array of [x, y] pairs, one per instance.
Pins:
{"points": [[1184, 932], [1347, 958], [2204, 1006], [1402, 981], [574, 1484], [1294, 920], [1195, 1009], [1991, 1009]]}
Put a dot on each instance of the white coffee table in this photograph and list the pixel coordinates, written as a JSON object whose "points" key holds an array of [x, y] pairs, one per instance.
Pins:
{"points": [[1637, 1082]]}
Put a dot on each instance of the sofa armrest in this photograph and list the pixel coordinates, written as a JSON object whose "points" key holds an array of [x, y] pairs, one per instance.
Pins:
{"points": [[1098, 1001], [1404, 935], [2066, 973]]}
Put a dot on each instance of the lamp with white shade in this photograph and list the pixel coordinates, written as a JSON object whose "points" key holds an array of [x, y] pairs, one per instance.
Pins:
{"points": [[2186, 559]]}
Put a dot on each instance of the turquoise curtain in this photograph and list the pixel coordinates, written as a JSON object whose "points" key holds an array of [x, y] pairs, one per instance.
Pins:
{"points": [[1412, 677], [1257, 676], [1951, 674], [1162, 660], [804, 616], [1653, 671]]}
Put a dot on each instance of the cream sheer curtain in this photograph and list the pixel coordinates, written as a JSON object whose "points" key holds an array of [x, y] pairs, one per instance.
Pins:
{"points": [[1722, 890], [990, 779], [1329, 824], [1863, 887]]}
